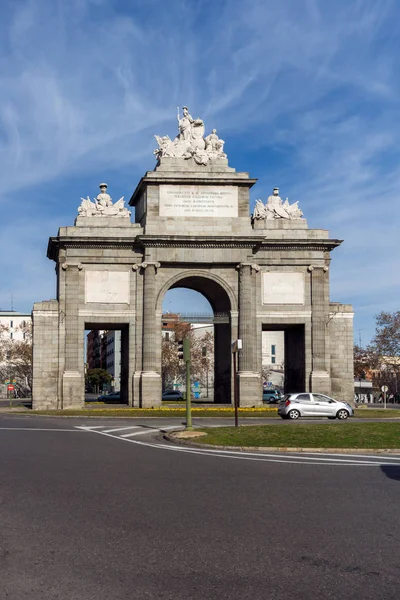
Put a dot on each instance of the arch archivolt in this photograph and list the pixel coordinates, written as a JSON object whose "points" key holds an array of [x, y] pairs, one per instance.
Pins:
{"points": [[201, 274]]}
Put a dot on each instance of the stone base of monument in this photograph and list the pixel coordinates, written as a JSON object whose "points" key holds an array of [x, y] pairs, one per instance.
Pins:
{"points": [[171, 163], [73, 390], [150, 389], [280, 224], [103, 222], [320, 382], [249, 389]]}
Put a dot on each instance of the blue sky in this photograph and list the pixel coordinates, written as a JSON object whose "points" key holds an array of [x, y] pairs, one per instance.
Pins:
{"points": [[304, 92]]}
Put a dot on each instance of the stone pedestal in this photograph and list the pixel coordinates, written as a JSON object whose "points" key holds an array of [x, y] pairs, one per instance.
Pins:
{"points": [[73, 390], [249, 378], [150, 389], [320, 381], [151, 379]]}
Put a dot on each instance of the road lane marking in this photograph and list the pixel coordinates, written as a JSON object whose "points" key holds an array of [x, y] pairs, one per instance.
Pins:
{"points": [[143, 432], [35, 429], [350, 461], [121, 428]]}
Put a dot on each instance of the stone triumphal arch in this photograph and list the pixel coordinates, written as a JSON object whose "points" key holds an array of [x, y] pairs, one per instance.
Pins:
{"points": [[192, 229]]}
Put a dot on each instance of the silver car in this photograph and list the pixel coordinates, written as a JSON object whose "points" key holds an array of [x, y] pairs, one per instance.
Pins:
{"points": [[293, 406]]}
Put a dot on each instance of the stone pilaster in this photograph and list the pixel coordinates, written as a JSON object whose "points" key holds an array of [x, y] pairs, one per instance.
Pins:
{"points": [[250, 391], [320, 379], [73, 387], [150, 378]]}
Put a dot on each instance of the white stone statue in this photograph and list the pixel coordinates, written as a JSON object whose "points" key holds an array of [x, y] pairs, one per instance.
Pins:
{"points": [[214, 145], [103, 206], [185, 124], [190, 142], [276, 209]]}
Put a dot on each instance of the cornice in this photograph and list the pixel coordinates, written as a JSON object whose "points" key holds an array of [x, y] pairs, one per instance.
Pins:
{"points": [[258, 244]]}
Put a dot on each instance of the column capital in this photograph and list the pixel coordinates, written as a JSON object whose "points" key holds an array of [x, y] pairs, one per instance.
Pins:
{"points": [[66, 266], [146, 264], [311, 268], [253, 266]]}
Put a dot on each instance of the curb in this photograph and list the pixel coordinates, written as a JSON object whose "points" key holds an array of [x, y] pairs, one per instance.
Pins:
{"points": [[182, 442]]}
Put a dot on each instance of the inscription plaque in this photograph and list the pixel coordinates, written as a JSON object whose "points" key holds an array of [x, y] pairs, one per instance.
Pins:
{"points": [[108, 287], [283, 288], [198, 201]]}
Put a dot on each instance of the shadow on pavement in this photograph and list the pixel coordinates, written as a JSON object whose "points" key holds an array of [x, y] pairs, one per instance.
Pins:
{"points": [[393, 472]]}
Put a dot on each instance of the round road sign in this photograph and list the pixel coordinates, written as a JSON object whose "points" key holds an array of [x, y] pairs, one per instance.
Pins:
{"points": [[10, 387], [384, 388]]}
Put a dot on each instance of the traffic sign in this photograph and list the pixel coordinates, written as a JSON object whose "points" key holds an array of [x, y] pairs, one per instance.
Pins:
{"points": [[7, 381], [10, 387], [384, 388]]}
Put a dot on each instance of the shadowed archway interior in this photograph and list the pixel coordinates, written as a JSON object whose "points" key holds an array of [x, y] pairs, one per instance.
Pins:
{"points": [[221, 305]]}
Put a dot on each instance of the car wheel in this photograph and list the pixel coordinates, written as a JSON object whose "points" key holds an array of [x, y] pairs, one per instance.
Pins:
{"points": [[293, 414], [342, 414]]}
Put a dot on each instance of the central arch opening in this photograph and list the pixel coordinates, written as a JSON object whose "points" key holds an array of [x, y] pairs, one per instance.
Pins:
{"points": [[200, 307]]}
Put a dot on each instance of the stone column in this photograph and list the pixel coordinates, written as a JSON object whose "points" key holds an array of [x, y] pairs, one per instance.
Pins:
{"points": [[73, 387], [320, 378], [151, 378], [250, 389]]}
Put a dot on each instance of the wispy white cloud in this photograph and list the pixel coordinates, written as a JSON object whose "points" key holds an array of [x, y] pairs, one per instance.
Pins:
{"points": [[303, 91]]}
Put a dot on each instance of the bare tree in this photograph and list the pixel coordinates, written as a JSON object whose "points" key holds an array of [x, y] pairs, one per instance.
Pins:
{"points": [[201, 355], [16, 360]]}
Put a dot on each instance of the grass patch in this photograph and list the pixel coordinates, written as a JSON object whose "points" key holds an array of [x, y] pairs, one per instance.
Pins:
{"points": [[163, 411], [377, 413], [180, 411], [299, 435]]}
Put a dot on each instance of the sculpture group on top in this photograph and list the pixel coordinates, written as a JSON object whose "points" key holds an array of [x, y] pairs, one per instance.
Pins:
{"points": [[190, 141], [103, 206], [276, 209]]}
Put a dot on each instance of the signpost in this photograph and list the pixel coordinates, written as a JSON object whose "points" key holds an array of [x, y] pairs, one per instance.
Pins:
{"points": [[10, 389], [384, 389], [184, 354], [236, 347]]}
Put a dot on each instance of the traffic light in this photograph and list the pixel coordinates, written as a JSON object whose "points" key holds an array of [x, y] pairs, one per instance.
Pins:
{"points": [[184, 349]]}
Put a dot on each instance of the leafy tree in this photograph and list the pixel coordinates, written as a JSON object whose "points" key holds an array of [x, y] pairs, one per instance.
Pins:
{"points": [[96, 378]]}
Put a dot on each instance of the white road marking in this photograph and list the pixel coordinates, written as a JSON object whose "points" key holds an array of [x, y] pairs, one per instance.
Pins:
{"points": [[121, 429], [320, 460], [36, 429], [142, 432]]}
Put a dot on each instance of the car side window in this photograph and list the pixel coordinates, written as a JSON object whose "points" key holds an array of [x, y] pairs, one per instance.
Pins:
{"points": [[320, 398], [304, 397]]}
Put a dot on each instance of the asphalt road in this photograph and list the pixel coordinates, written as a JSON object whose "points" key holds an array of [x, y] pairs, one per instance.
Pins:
{"points": [[114, 512]]}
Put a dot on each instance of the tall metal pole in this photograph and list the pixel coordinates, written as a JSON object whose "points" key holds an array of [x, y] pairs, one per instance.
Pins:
{"points": [[186, 357], [188, 399], [235, 388]]}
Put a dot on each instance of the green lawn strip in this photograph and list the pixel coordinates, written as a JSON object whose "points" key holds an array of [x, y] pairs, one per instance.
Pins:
{"points": [[377, 413], [143, 412], [181, 411], [299, 435]]}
